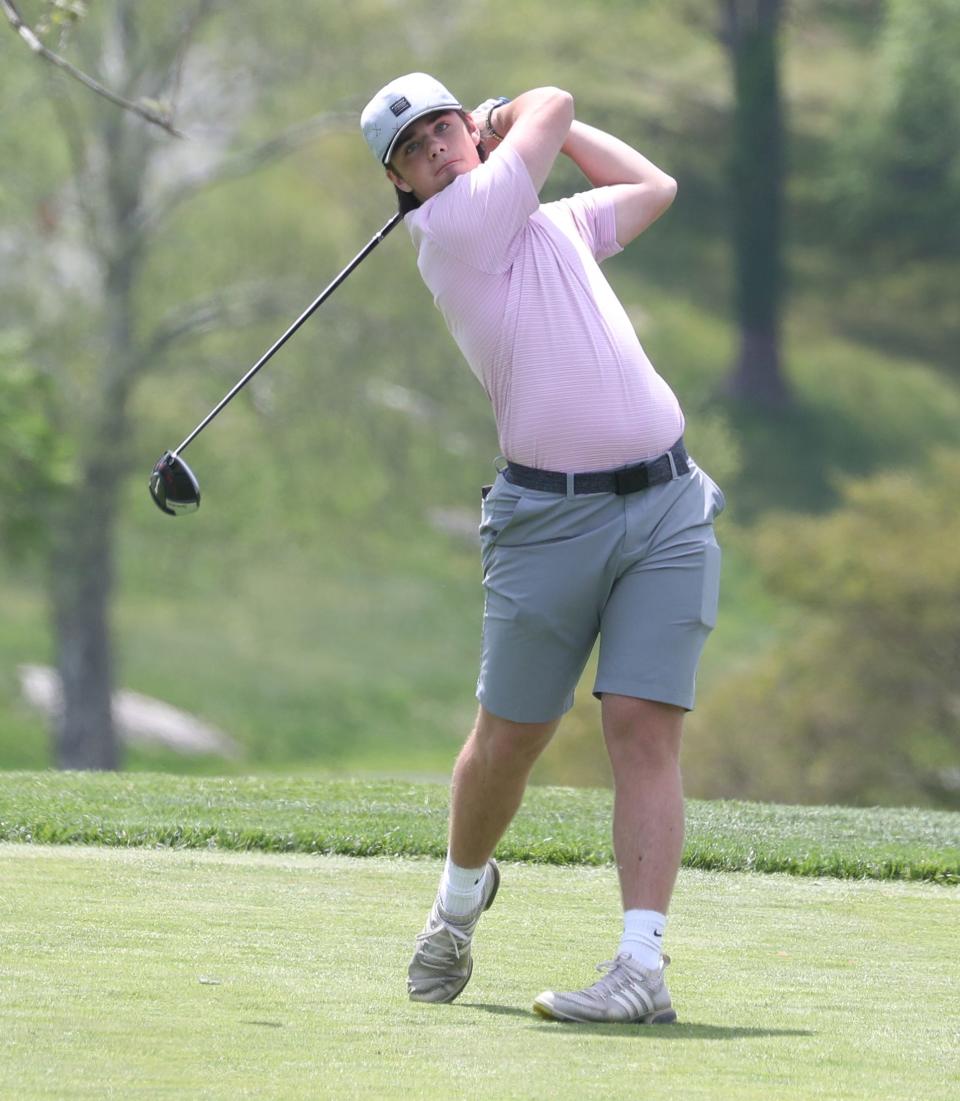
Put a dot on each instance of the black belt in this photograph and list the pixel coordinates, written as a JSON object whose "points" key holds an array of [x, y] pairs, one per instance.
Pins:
{"points": [[629, 479]]}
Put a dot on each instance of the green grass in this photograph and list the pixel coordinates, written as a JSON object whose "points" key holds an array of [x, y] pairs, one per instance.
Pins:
{"points": [[170, 974], [372, 818]]}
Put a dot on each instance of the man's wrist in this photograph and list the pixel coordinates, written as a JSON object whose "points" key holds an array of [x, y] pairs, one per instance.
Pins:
{"points": [[488, 130]]}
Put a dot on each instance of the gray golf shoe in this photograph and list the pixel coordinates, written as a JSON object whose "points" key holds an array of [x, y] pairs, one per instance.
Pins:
{"points": [[442, 962], [627, 993]]}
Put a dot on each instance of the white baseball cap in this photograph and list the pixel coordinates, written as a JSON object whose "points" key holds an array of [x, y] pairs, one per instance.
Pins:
{"points": [[401, 102]]}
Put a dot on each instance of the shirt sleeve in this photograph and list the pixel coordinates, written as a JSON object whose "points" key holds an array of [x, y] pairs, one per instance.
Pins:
{"points": [[479, 217], [594, 217]]}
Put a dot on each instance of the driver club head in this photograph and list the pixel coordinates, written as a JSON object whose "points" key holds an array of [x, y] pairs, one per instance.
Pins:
{"points": [[173, 485]]}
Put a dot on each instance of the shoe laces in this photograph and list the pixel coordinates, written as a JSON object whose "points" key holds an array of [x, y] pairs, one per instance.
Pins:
{"points": [[617, 974], [444, 940], [614, 973]]}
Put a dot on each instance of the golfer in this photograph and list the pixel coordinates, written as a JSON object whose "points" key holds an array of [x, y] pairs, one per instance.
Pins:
{"points": [[598, 523]]}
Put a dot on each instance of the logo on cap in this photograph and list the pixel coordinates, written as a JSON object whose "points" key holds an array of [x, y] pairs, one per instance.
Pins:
{"points": [[400, 105]]}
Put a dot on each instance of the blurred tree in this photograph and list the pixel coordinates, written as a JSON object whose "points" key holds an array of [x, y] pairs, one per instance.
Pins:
{"points": [[96, 337], [113, 159], [750, 32], [863, 705]]}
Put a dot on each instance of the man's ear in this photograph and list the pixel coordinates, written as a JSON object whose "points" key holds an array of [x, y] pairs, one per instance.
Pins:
{"points": [[399, 181]]}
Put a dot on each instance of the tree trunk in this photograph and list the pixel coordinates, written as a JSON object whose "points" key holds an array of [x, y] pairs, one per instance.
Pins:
{"points": [[757, 374], [82, 555], [81, 587], [751, 36]]}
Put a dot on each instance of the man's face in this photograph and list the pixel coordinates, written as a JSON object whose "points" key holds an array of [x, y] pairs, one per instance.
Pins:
{"points": [[432, 152]]}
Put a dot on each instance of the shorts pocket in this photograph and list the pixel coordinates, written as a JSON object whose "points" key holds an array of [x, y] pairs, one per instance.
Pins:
{"points": [[496, 511], [513, 517], [716, 501], [710, 595]]}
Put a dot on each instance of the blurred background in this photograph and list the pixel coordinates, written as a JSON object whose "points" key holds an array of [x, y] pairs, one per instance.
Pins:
{"points": [[321, 613]]}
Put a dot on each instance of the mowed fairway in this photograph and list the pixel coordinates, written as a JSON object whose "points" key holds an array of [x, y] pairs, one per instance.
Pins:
{"points": [[164, 973]]}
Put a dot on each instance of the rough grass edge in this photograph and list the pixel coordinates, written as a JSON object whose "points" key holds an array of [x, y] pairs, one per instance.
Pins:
{"points": [[696, 854]]}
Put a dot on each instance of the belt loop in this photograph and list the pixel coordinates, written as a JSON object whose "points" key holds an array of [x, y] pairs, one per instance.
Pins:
{"points": [[496, 464], [570, 478], [673, 465]]}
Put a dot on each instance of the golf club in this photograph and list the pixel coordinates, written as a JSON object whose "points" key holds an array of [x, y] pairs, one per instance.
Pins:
{"points": [[173, 485]]}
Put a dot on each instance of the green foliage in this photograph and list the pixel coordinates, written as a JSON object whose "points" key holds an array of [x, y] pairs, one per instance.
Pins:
{"points": [[899, 169], [861, 704], [57, 16], [34, 459]]}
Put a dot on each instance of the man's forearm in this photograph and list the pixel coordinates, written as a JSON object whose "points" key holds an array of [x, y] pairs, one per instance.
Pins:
{"points": [[641, 191], [606, 160], [503, 117]]}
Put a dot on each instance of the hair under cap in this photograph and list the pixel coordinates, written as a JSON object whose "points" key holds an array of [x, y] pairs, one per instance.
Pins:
{"points": [[399, 103]]}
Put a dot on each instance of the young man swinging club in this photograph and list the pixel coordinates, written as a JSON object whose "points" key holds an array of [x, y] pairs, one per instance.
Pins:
{"points": [[598, 524]]}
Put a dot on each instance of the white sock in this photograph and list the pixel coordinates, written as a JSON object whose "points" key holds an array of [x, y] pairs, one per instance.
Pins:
{"points": [[461, 889], [643, 937]]}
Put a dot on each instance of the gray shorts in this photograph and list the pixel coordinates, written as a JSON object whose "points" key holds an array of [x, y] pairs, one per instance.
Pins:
{"points": [[642, 571]]}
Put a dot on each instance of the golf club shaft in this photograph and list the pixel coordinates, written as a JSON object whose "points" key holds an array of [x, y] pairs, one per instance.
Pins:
{"points": [[319, 300]]}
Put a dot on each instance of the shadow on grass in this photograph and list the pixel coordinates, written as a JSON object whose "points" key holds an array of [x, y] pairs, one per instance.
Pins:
{"points": [[795, 459], [680, 1030], [677, 1031], [501, 1010]]}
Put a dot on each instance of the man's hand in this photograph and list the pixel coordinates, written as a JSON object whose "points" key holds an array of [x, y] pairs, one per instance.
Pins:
{"points": [[535, 124], [482, 116]]}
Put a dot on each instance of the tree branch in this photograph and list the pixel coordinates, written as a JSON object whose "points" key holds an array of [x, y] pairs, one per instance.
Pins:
{"points": [[152, 116], [254, 302], [287, 141]]}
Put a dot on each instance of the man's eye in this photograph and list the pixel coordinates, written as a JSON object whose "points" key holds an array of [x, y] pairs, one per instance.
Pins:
{"points": [[411, 148], [441, 126]]}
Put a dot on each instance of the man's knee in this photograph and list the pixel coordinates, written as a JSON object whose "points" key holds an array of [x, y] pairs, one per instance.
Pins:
{"points": [[503, 738], [644, 728]]}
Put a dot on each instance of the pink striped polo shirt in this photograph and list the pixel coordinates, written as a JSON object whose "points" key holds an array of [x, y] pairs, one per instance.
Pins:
{"points": [[521, 291]]}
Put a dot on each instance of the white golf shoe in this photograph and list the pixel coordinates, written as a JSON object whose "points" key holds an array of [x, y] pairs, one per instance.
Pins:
{"points": [[627, 993], [443, 962]]}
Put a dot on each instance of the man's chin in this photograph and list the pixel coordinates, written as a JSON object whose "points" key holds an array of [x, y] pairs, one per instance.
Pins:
{"points": [[445, 178]]}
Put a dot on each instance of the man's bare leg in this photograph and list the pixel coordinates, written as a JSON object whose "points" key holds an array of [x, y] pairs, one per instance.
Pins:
{"points": [[643, 741], [489, 779]]}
